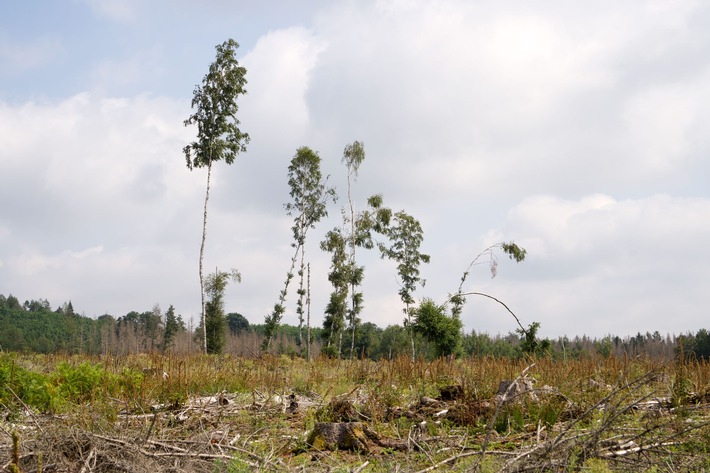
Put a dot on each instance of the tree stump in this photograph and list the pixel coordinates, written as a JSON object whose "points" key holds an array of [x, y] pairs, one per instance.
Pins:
{"points": [[340, 436], [509, 390], [350, 436]]}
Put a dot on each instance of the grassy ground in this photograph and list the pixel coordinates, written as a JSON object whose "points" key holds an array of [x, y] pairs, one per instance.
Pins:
{"points": [[200, 413]]}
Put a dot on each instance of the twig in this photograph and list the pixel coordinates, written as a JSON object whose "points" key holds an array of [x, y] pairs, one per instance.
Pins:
{"points": [[87, 467], [29, 411], [361, 467], [211, 456], [3, 429], [449, 460], [150, 429]]}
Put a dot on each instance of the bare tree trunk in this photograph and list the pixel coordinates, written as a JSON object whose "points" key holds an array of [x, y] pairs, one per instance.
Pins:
{"points": [[300, 296], [202, 256], [353, 315], [340, 343], [308, 315], [411, 331], [282, 298]]}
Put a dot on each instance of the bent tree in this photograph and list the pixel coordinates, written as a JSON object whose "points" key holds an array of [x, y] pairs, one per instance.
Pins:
{"points": [[458, 299], [513, 251], [218, 134]]}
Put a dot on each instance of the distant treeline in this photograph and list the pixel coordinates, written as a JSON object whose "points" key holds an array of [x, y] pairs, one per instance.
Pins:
{"points": [[33, 326]]}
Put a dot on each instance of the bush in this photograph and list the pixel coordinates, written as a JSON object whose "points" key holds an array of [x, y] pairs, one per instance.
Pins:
{"points": [[16, 382], [442, 331]]}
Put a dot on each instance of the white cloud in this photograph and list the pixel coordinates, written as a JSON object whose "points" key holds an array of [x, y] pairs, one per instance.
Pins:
{"points": [[576, 130], [664, 122], [597, 265], [278, 76], [95, 153], [107, 177]]}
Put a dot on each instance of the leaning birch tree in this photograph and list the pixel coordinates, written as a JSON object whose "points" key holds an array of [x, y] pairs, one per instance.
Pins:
{"points": [[219, 137], [310, 195]]}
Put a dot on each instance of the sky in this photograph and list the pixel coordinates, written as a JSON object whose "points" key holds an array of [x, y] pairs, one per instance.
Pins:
{"points": [[578, 130]]}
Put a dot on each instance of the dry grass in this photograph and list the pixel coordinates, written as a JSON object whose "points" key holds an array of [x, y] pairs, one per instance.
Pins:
{"points": [[238, 414]]}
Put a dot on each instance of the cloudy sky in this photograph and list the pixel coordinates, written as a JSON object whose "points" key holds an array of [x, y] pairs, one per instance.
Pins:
{"points": [[580, 130]]}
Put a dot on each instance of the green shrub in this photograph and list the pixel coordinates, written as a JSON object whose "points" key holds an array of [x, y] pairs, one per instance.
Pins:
{"points": [[17, 382], [79, 384]]}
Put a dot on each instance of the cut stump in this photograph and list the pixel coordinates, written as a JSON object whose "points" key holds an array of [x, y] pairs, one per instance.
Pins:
{"points": [[349, 436]]}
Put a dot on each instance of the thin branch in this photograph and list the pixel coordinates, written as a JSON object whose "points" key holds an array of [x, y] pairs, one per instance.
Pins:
{"points": [[29, 411], [497, 300]]}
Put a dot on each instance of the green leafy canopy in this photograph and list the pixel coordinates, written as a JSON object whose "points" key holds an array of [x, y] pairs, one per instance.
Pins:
{"points": [[215, 111]]}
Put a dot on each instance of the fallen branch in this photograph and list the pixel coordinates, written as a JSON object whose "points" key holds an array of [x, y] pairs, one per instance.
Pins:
{"points": [[27, 408], [636, 449]]}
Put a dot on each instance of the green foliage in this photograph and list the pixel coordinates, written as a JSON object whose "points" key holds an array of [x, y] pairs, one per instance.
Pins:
{"points": [[405, 236], [66, 385], [309, 192], [510, 419], [171, 329], [330, 351], [215, 103], [271, 321], [42, 330], [237, 323], [367, 341], [15, 381], [151, 322], [441, 331], [310, 196], [216, 324], [514, 251], [530, 344], [15, 463], [346, 276], [79, 384], [483, 345], [697, 346], [335, 311], [394, 342], [353, 156]]}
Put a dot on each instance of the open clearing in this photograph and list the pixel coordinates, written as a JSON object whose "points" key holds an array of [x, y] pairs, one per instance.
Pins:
{"points": [[195, 413]]}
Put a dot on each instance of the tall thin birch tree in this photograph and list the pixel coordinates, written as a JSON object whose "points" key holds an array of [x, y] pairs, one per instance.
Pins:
{"points": [[218, 134], [353, 156]]}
